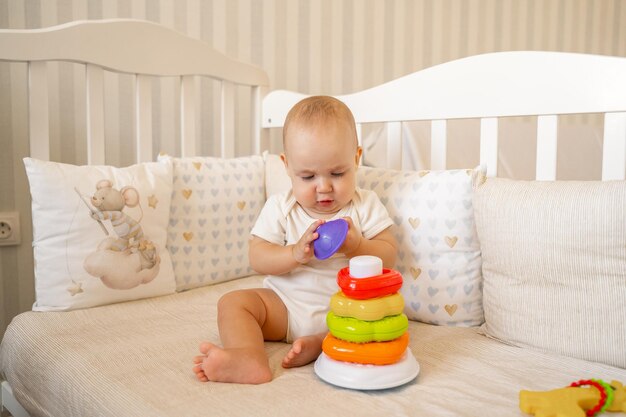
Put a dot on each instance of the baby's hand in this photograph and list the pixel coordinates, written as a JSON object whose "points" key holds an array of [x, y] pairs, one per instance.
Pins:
{"points": [[353, 238], [303, 249]]}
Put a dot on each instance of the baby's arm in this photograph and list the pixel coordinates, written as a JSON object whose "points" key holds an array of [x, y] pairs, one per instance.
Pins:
{"points": [[383, 245], [271, 259]]}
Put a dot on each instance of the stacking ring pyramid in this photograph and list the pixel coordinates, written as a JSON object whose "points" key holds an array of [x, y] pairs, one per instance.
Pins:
{"points": [[366, 347]]}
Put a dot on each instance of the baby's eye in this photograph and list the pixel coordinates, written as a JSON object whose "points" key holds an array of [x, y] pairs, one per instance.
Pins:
{"points": [[307, 178], [337, 174]]}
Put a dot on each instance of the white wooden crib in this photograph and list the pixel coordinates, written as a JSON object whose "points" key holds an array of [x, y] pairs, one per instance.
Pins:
{"points": [[493, 86], [545, 85]]}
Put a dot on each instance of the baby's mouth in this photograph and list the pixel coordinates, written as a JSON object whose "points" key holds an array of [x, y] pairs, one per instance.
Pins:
{"points": [[325, 202]]}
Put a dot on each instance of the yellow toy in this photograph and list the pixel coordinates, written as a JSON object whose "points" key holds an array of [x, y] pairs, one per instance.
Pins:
{"points": [[370, 310], [575, 401]]}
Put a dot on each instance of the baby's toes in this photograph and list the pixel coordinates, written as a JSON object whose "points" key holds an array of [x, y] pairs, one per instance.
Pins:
{"points": [[200, 372], [205, 347]]}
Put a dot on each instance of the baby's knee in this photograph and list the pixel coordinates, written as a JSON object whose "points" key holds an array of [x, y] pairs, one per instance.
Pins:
{"points": [[234, 300], [226, 300]]}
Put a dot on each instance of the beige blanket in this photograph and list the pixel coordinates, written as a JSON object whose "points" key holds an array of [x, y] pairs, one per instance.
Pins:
{"points": [[135, 359]]}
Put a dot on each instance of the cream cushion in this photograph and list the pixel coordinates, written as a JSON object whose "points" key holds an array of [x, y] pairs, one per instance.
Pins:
{"points": [[554, 265]]}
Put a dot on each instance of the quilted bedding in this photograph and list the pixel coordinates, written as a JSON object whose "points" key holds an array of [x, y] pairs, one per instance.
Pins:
{"points": [[135, 359]]}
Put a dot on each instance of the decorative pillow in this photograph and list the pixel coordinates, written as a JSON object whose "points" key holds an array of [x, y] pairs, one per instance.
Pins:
{"points": [[438, 254], [99, 233], [554, 265], [215, 203]]}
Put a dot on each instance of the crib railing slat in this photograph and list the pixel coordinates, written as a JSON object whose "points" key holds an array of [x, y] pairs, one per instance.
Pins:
{"points": [[394, 145], [359, 134], [94, 90], [489, 145], [227, 120], [38, 117], [438, 144], [187, 116], [359, 137], [255, 126], [143, 118], [547, 127], [614, 147]]}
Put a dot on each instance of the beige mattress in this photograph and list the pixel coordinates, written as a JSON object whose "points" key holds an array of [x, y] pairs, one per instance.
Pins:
{"points": [[135, 359]]}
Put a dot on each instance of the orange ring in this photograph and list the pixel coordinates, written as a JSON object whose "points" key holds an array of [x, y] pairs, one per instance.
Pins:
{"points": [[373, 353]]}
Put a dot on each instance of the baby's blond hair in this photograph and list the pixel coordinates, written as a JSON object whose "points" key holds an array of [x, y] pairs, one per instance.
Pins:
{"points": [[318, 109]]}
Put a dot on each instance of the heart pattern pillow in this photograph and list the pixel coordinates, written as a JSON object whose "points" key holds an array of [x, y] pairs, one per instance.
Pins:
{"points": [[215, 203], [439, 252]]}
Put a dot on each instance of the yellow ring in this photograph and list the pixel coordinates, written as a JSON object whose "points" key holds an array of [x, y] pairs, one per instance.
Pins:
{"points": [[369, 310]]}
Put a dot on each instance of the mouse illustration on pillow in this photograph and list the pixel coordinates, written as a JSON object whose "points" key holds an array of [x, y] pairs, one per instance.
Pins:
{"points": [[130, 258]]}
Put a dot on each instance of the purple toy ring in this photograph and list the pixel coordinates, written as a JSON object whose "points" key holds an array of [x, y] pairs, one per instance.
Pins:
{"points": [[331, 237]]}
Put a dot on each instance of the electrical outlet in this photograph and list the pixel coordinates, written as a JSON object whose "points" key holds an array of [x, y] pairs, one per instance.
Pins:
{"points": [[9, 228]]}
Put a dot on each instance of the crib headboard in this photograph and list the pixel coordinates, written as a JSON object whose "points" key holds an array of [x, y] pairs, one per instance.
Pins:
{"points": [[489, 87], [144, 50]]}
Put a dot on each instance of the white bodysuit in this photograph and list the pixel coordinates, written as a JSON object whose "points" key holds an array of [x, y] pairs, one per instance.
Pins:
{"points": [[306, 290]]}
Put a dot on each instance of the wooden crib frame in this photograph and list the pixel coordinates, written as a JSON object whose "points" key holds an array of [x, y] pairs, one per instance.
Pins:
{"points": [[542, 84]]}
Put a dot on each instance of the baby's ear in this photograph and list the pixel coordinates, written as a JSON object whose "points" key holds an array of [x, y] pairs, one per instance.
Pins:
{"points": [[359, 153], [283, 158]]}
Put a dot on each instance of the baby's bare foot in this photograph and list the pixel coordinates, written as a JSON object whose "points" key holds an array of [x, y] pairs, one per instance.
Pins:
{"points": [[245, 366], [304, 350]]}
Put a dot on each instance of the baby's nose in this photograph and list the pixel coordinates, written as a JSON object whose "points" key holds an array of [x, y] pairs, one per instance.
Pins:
{"points": [[324, 186]]}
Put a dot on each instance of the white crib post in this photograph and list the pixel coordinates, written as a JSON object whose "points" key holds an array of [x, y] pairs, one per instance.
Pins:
{"points": [[489, 145], [359, 134], [143, 118], [255, 125], [38, 119], [394, 145], [547, 127], [227, 120], [94, 78], [187, 116], [438, 144], [614, 148]]}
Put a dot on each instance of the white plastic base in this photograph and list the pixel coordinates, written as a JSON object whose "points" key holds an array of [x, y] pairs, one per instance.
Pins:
{"points": [[367, 377]]}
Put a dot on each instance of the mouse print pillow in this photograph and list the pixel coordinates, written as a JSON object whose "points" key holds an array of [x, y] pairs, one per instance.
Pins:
{"points": [[99, 233]]}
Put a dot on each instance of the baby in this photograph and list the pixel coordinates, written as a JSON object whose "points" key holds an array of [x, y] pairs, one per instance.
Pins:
{"points": [[321, 155]]}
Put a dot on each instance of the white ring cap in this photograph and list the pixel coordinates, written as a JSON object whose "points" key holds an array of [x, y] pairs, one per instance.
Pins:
{"points": [[365, 266]]}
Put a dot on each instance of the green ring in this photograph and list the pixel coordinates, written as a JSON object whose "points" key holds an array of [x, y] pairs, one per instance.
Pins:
{"points": [[360, 331], [609, 394]]}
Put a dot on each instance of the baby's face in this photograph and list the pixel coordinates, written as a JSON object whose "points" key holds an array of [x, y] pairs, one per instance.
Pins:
{"points": [[321, 161]]}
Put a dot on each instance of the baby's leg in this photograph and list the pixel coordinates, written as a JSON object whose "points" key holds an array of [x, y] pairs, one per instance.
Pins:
{"points": [[304, 350], [245, 319]]}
